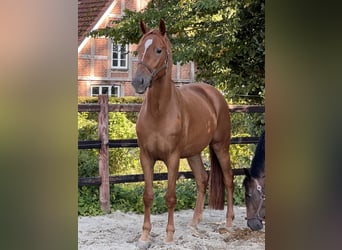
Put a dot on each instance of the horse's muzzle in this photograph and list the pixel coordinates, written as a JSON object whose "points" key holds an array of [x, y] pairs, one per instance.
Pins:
{"points": [[141, 83], [255, 224]]}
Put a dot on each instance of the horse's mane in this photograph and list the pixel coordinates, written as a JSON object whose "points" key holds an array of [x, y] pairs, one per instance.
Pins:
{"points": [[258, 162]]}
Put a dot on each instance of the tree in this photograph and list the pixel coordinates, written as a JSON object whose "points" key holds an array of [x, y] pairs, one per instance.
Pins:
{"points": [[225, 38]]}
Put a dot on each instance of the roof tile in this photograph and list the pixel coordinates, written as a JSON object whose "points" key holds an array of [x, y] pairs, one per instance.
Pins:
{"points": [[89, 12]]}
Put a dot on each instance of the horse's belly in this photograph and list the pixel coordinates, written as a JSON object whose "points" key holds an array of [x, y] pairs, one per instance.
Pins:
{"points": [[198, 135], [194, 148]]}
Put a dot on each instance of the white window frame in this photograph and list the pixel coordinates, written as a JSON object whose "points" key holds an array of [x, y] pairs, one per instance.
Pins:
{"points": [[118, 57], [110, 88], [118, 90]]}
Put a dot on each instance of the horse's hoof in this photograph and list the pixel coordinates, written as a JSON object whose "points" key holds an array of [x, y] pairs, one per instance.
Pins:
{"points": [[192, 226], [169, 238], [194, 222], [143, 244], [229, 223], [166, 242]]}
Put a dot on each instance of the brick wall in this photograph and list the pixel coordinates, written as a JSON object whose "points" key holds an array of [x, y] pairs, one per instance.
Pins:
{"points": [[82, 88], [128, 89], [101, 47]]}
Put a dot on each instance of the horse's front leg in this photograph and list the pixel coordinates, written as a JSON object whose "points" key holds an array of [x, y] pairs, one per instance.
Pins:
{"points": [[147, 165], [170, 197]]}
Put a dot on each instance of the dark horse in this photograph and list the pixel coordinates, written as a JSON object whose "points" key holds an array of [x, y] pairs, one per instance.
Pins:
{"points": [[254, 184], [176, 123]]}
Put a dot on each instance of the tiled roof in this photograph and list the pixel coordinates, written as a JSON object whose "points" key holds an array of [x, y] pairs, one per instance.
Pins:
{"points": [[89, 12]]}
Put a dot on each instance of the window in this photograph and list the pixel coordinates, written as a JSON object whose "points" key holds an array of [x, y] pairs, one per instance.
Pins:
{"points": [[110, 90], [119, 56], [116, 90]]}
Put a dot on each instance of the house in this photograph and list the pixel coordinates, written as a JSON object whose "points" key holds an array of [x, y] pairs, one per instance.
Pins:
{"points": [[105, 67]]}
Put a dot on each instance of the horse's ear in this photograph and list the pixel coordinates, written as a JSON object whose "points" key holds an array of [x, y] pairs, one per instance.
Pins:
{"points": [[143, 27], [247, 172], [162, 27]]}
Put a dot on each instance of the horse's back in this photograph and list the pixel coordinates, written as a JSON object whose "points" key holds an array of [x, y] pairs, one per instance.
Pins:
{"points": [[205, 93], [202, 96]]}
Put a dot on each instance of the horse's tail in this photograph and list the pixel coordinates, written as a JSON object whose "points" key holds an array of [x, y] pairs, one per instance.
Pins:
{"points": [[216, 186]]}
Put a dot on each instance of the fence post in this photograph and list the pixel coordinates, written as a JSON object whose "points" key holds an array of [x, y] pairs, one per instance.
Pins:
{"points": [[103, 155]]}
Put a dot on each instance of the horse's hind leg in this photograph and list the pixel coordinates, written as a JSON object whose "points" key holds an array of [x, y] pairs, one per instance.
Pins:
{"points": [[222, 152], [201, 178]]}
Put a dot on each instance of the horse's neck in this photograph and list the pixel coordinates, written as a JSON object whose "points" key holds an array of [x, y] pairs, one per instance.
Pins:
{"points": [[258, 173], [161, 95]]}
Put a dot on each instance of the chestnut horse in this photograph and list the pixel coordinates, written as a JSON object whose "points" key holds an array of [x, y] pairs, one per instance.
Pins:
{"points": [[176, 123]]}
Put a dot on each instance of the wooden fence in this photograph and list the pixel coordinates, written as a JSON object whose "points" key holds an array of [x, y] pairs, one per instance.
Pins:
{"points": [[104, 143]]}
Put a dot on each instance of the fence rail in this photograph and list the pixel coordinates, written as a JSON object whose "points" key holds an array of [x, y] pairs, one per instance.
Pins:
{"points": [[103, 144], [133, 143], [135, 107], [96, 181]]}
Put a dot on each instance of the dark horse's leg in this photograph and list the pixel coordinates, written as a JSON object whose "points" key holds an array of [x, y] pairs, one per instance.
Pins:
{"points": [[201, 178]]}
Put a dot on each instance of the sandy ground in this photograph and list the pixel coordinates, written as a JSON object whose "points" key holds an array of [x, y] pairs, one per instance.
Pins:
{"points": [[122, 230]]}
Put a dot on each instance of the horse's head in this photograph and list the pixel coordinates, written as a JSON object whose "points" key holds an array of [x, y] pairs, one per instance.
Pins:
{"points": [[153, 57], [255, 200]]}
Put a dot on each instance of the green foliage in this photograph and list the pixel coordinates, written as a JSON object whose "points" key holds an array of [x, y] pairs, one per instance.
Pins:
{"points": [[88, 163], [88, 201], [239, 191], [127, 197], [121, 159], [87, 126], [119, 127], [243, 124], [186, 194], [87, 158], [111, 99], [225, 38]]}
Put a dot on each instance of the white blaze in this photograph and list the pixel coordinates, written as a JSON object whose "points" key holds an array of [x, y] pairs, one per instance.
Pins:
{"points": [[147, 44]]}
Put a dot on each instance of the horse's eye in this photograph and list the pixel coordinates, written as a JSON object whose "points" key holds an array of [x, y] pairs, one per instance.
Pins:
{"points": [[158, 50]]}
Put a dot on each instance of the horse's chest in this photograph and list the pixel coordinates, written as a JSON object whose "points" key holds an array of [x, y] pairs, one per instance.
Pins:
{"points": [[161, 144], [158, 137]]}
